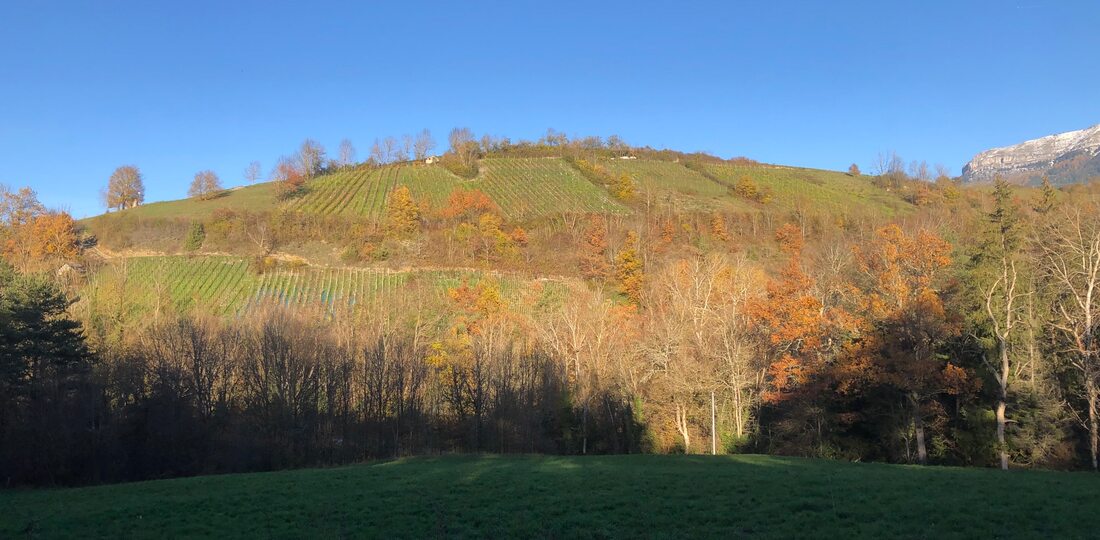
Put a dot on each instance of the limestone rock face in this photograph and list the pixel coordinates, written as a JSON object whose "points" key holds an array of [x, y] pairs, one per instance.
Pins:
{"points": [[1067, 157]]}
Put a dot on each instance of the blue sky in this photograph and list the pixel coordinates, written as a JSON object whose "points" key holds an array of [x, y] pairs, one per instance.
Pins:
{"points": [[177, 87]]}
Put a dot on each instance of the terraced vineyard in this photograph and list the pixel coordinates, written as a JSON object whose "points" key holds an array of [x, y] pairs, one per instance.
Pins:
{"points": [[825, 190], [678, 185], [432, 184], [533, 187], [364, 191], [337, 193], [666, 175], [226, 286]]}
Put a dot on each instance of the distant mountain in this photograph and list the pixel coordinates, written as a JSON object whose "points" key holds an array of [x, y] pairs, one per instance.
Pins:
{"points": [[1066, 158]]}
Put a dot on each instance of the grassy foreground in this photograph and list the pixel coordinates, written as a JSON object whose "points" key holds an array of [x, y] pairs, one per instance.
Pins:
{"points": [[567, 497]]}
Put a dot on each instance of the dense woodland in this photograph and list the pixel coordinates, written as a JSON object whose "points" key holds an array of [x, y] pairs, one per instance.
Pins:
{"points": [[963, 331]]}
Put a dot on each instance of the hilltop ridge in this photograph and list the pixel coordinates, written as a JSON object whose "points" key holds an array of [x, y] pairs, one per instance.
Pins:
{"points": [[1073, 156]]}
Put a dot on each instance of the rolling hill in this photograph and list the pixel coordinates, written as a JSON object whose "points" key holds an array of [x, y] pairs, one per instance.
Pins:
{"points": [[526, 190], [532, 188]]}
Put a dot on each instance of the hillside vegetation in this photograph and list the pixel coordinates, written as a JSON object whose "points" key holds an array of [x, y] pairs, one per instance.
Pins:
{"points": [[560, 296], [227, 286], [531, 188], [823, 191], [574, 497]]}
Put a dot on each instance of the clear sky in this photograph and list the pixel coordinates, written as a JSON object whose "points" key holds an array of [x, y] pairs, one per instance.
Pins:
{"points": [[177, 87]]}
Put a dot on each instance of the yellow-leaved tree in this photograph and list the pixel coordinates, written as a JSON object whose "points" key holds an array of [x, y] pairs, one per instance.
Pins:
{"points": [[402, 214], [629, 269]]}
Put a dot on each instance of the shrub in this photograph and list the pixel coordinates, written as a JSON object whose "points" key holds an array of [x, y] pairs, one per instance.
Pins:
{"points": [[261, 264], [746, 187], [195, 237], [454, 163]]}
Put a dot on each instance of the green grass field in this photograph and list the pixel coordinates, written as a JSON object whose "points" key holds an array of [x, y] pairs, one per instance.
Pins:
{"points": [[221, 285], [575, 497], [251, 198]]}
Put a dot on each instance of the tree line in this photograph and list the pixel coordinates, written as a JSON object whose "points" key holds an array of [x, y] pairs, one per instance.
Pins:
{"points": [[192, 395], [898, 345], [964, 333]]}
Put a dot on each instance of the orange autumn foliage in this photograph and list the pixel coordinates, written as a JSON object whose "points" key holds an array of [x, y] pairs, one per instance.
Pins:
{"points": [[791, 319], [519, 236], [718, 227], [54, 235], [593, 258], [477, 304], [905, 320], [466, 203]]}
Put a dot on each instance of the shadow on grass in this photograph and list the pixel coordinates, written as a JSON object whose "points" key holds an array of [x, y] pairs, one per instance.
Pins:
{"points": [[579, 496]]}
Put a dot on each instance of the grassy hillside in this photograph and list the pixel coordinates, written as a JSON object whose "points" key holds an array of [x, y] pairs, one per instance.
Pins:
{"points": [[524, 188], [535, 187], [575, 497], [684, 188], [826, 191], [226, 286], [256, 197], [363, 192], [667, 175], [529, 188]]}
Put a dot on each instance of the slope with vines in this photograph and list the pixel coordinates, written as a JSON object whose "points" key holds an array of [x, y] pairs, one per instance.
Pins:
{"points": [[826, 191], [225, 286], [527, 188]]}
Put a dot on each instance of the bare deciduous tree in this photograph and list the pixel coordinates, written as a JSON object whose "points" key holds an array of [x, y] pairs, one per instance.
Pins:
{"points": [[311, 157], [942, 172], [697, 344], [205, 186], [347, 153], [391, 150], [587, 336], [463, 145], [252, 172], [377, 155], [406, 147], [1071, 249], [423, 145], [125, 188]]}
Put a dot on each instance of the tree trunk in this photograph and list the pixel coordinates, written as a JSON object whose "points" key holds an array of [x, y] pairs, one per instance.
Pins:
{"points": [[918, 429], [1002, 405], [682, 427], [713, 431], [1093, 394], [584, 429], [738, 418], [1001, 449]]}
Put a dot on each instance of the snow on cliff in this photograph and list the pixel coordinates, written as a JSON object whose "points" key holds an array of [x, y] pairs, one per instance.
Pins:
{"points": [[1033, 157]]}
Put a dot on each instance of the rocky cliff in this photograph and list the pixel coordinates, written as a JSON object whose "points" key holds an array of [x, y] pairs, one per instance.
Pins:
{"points": [[1067, 157]]}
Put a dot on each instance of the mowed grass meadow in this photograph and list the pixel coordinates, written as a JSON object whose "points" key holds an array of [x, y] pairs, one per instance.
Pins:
{"points": [[639, 496]]}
